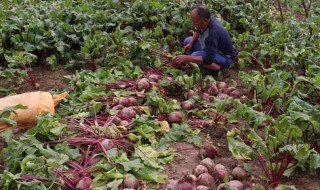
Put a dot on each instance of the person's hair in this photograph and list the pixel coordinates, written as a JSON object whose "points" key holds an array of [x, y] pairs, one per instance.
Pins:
{"points": [[202, 11]]}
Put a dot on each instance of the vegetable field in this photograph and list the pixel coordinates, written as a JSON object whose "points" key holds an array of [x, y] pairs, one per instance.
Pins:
{"points": [[135, 120]]}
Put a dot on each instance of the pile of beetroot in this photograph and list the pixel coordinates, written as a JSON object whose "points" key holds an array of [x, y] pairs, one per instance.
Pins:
{"points": [[150, 96], [201, 97], [207, 176]]}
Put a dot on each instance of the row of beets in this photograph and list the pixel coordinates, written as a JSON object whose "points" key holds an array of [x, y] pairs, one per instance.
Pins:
{"points": [[207, 176], [127, 105]]}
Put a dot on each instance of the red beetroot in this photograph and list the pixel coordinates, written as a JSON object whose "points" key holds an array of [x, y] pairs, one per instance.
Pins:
{"points": [[235, 94], [133, 101], [205, 96], [202, 187], [116, 120], [107, 144], [128, 112], [222, 85], [239, 173], [175, 117], [211, 99], [190, 178], [171, 184], [233, 184], [221, 171], [154, 77], [213, 90], [187, 105], [130, 182], [223, 96], [199, 169], [124, 101], [185, 186], [84, 183], [124, 123], [226, 90], [111, 132], [143, 84], [206, 179], [191, 93], [208, 163]]}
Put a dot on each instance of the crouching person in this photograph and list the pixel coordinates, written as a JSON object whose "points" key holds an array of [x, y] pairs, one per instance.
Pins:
{"points": [[210, 46]]}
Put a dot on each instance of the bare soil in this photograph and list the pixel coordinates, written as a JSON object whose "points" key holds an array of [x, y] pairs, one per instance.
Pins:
{"points": [[188, 155]]}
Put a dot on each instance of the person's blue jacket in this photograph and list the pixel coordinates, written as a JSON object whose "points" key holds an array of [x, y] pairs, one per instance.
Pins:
{"points": [[216, 40]]}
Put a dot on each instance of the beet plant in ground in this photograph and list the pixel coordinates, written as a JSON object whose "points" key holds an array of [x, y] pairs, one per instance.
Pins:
{"points": [[289, 142], [280, 151], [85, 34], [281, 103]]}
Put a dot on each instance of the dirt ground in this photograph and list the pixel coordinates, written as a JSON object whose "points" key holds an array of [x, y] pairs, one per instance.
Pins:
{"points": [[188, 155]]}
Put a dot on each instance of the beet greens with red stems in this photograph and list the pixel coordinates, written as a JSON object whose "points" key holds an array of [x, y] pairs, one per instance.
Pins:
{"points": [[115, 120]]}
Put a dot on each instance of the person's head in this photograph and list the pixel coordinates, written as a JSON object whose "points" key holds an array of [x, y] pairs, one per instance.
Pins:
{"points": [[200, 16]]}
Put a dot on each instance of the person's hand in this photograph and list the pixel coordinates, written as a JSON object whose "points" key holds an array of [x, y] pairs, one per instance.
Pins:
{"points": [[180, 59], [187, 48]]}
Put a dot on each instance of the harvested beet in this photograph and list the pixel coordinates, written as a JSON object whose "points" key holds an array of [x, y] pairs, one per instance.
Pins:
{"points": [[226, 90], [222, 85], [130, 182], [111, 131], [124, 123], [116, 120], [190, 178], [239, 173], [187, 105], [191, 93], [235, 94], [208, 163], [199, 169], [233, 184], [133, 101], [124, 101], [201, 187], [206, 179], [205, 96], [208, 151], [84, 183], [223, 96], [154, 77], [143, 84], [220, 171], [107, 144], [213, 90], [171, 184], [185, 186], [175, 117], [128, 112], [211, 99]]}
